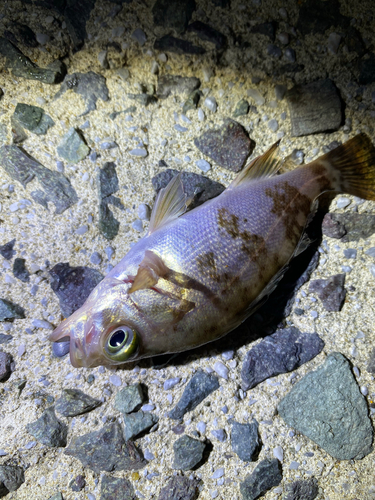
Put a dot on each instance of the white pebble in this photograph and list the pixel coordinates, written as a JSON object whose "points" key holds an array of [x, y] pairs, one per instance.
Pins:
{"points": [[21, 350], [256, 96], [85, 177], [278, 453], [138, 152], [201, 115], [82, 230], [218, 473], [364, 390], [162, 57], [201, 427], [148, 407], [42, 323], [171, 382], [203, 165], [211, 104], [273, 125], [342, 202], [221, 370], [115, 380], [15, 220], [42, 38], [144, 211], [333, 42], [14, 207], [137, 225], [154, 68]]}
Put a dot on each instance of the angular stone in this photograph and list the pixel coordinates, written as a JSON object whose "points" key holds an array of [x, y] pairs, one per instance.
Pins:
{"points": [[188, 452], [7, 251], [245, 440], [208, 34], [10, 311], [90, 86], [107, 185], [349, 226], [199, 387], [314, 107], [129, 398], [169, 43], [48, 430], [116, 488], [328, 407], [106, 450], [265, 476], [242, 108], [302, 490], [331, 291], [11, 478], [180, 488], [78, 483], [22, 33], [73, 285], [176, 84], [19, 270], [33, 118], [74, 402], [173, 14], [229, 146], [195, 186], [72, 147], [23, 168], [6, 361], [281, 352], [138, 422], [22, 66]]}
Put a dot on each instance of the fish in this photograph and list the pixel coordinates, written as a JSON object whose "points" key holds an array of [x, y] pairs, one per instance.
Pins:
{"points": [[196, 275]]}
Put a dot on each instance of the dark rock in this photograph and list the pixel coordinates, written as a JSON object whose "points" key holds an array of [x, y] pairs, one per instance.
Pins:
{"points": [[367, 70], [314, 107], [208, 34], [90, 86], [108, 224], [21, 33], [10, 311], [48, 430], [78, 483], [188, 452], [136, 423], [179, 429], [281, 352], [107, 180], [242, 108], [175, 84], [229, 146], [5, 339], [302, 490], [105, 450], [192, 101], [331, 291], [197, 186], [169, 43], [75, 402], [23, 168], [267, 29], [327, 407], [76, 14], [274, 51], [265, 476], [22, 66], [316, 16], [245, 440], [73, 285], [11, 478], [61, 349], [116, 488], [371, 362], [354, 41], [6, 361], [19, 270], [180, 488], [349, 226], [7, 251], [33, 118], [73, 147], [144, 99], [174, 14], [199, 387], [107, 185], [129, 398], [280, 91]]}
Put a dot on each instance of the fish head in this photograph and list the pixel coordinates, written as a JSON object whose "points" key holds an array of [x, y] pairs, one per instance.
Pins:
{"points": [[106, 330]]}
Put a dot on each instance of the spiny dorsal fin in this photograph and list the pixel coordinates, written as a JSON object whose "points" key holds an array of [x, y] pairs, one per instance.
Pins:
{"points": [[150, 270], [170, 204], [263, 166]]}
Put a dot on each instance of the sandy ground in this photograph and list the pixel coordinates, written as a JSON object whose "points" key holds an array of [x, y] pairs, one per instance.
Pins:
{"points": [[46, 236]]}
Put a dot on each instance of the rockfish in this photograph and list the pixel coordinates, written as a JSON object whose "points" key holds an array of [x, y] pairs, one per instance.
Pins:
{"points": [[197, 275]]}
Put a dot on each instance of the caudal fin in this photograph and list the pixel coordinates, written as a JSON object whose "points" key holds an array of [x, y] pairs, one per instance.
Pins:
{"points": [[354, 161]]}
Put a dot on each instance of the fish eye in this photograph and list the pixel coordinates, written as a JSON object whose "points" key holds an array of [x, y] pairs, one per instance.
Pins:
{"points": [[121, 344]]}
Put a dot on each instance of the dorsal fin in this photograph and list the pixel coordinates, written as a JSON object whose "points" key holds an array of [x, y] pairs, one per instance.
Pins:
{"points": [[170, 203], [263, 166], [150, 270]]}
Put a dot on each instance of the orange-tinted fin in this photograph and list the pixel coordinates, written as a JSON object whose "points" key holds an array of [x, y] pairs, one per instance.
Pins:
{"points": [[355, 163], [263, 166], [170, 203], [150, 270]]}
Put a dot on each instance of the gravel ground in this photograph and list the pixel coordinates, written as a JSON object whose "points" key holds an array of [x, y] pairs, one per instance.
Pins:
{"points": [[44, 238]]}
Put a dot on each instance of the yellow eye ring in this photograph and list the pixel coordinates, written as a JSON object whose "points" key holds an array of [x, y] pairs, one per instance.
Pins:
{"points": [[121, 344]]}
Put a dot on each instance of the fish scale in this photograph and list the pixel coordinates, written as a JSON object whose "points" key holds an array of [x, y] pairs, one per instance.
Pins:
{"points": [[197, 275]]}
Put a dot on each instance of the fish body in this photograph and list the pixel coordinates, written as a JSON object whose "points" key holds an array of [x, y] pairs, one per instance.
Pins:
{"points": [[195, 277]]}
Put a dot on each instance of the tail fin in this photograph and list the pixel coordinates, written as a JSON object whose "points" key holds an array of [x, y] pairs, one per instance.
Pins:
{"points": [[355, 163]]}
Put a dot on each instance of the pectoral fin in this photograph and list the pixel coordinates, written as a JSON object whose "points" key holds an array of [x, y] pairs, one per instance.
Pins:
{"points": [[150, 270]]}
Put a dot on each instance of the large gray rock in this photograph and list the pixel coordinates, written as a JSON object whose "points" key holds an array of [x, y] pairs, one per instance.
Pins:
{"points": [[327, 406]]}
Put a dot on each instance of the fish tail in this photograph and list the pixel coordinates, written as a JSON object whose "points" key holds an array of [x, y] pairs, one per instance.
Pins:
{"points": [[352, 167]]}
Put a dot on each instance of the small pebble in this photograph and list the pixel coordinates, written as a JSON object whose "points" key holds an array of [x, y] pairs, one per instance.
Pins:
{"points": [[201, 427], [115, 380], [350, 253], [137, 225], [42, 38], [221, 370], [342, 202], [148, 407], [203, 165], [138, 152], [273, 125], [219, 434], [211, 104], [201, 115], [290, 54], [139, 36], [171, 382], [364, 390], [218, 473], [95, 258], [278, 453], [293, 465], [144, 212], [82, 230]]}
